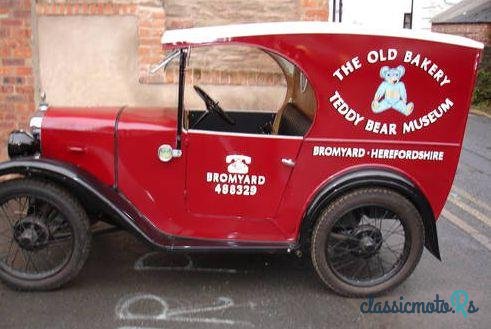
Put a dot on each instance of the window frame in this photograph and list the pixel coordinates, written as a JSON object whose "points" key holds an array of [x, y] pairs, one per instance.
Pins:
{"points": [[289, 75]]}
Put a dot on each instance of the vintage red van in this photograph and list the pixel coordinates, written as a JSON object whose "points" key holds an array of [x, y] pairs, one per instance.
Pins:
{"points": [[353, 170]]}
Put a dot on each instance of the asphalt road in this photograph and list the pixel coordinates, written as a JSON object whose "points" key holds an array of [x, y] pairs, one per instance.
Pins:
{"points": [[125, 285]]}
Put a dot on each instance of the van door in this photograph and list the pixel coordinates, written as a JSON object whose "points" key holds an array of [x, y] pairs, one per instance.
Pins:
{"points": [[237, 175]]}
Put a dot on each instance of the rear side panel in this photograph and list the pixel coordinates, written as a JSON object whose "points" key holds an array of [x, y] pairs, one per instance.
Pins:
{"points": [[422, 91]]}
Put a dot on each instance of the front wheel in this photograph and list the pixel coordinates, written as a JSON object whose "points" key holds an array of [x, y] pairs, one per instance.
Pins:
{"points": [[367, 242], [44, 235]]}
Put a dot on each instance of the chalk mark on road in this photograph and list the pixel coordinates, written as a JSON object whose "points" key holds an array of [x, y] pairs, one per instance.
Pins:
{"points": [[166, 313]]}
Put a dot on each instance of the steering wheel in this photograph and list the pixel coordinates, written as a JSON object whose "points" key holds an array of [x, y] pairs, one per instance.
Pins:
{"points": [[211, 106]]}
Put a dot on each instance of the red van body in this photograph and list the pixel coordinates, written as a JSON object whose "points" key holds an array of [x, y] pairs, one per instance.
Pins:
{"points": [[391, 110], [439, 78]]}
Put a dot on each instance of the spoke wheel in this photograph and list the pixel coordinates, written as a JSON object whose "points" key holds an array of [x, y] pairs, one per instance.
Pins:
{"points": [[367, 246], [42, 229], [367, 242], [38, 240]]}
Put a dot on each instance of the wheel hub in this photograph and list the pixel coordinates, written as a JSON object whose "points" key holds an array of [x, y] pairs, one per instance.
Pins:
{"points": [[369, 240], [31, 234]]}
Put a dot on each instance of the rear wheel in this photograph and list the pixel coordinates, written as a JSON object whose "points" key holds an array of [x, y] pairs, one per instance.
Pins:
{"points": [[367, 242], [44, 235]]}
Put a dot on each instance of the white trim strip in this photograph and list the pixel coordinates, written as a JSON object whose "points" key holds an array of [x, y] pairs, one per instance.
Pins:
{"points": [[376, 141], [225, 133], [226, 32]]}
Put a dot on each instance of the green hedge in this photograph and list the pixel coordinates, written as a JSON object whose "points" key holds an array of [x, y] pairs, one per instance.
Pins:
{"points": [[482, 90]]}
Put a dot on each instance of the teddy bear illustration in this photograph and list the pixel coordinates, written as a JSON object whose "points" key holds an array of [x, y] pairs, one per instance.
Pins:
{"points": [[393, 92]]}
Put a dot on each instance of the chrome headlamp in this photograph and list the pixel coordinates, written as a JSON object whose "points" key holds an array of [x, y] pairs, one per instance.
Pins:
{"points": [[22, 143]]}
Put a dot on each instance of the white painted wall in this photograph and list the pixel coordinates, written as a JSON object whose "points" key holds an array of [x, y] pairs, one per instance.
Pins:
{"points": [[390, 13]]}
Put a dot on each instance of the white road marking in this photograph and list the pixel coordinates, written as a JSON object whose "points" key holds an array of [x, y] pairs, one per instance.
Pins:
{"points": [[471, 198], [478, 236], [140, 265], [474, 212], [124, 312], [133, 327]]}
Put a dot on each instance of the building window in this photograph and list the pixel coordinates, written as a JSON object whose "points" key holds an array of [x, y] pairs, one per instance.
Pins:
{"points": [[407, 21]]}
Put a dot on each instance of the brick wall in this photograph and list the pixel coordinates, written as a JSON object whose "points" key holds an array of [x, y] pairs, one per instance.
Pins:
{"points": [[217, 65], [217, 12], [154, 16], [194, 13], [478, 32], [18, 49], [16, 67]]}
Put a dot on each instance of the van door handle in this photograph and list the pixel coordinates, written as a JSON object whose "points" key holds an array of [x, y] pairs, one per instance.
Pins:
{"points": [[288, 162]]}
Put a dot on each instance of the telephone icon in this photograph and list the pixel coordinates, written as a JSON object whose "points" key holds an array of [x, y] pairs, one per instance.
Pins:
{"points": [[238, 164]]}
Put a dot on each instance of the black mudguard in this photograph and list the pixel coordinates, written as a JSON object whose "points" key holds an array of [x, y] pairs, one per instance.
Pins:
{"points": [[98, 197], [370, 177]]}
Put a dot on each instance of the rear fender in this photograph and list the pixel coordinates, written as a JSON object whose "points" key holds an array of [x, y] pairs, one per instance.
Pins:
{"points": [[369, 177]]}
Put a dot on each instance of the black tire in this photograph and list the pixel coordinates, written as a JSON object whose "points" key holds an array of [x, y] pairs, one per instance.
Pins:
{"points": [[68, 220], [340, 230]]}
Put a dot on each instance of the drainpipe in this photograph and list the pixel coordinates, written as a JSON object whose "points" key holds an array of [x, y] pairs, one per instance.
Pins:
{"points": [[334, 10], [340, 11], [411, 20]]}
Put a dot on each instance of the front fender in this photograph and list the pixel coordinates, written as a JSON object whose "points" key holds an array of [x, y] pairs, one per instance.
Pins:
{"points": [[98, 197], [95, 196]]}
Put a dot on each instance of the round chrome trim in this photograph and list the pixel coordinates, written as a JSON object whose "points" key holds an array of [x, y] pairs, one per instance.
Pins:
{"points": [[165, 153]]}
